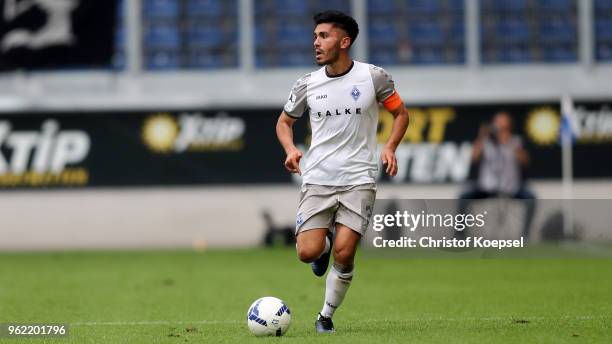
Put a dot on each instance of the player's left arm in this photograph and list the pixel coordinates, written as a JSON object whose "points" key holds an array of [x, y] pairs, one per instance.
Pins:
{"points": [[522, 156], [396, 107]]}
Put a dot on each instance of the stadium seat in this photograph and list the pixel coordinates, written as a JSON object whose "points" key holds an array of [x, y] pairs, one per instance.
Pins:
{"points": [[118, 60], [556, 5], [560, 31], [604, 52], [162, 35], [423, 7], [383, 57], [601, 5], [603, 29], [291, 7], [120, 37], [208, 8], [515, 55], [340, 5], [161, 9], [296, 58], [120, 10], [204, 34], [204, 59], [294, 35], [382, 32], [427, 56], [457, 31], [456, 5], [162, 60], [260, 35], [377, 7], [426, 33], [559, 54], [265, 59], [512, 31], [507, 5]]}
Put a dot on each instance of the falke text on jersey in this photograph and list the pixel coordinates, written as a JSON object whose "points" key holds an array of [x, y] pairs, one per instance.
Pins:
{"points": [[338, 112]]}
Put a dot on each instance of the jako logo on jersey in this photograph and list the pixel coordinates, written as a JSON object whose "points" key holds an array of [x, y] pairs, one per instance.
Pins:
{"points": [[163, 133], [355, 93], [338, 112], [36, 158]]}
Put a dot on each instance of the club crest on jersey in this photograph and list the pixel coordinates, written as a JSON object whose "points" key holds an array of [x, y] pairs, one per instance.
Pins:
{"points": [[355, 93]]}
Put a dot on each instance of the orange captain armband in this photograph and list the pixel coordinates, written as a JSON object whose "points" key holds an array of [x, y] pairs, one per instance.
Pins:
{"points": [[392, 101]]}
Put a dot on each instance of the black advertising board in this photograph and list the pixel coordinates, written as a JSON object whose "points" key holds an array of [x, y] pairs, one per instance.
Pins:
{"points": [[150, 148], [56, 34]]}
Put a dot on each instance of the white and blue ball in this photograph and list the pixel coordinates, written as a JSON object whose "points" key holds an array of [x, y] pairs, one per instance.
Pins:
{"points": [[268, 316]]}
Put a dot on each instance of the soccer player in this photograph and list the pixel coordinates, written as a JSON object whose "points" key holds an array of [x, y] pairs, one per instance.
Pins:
{"points": [[339, 170]]}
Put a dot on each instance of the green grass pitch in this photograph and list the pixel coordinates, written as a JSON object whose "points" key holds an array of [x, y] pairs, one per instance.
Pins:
{"points": [[191, 297]]}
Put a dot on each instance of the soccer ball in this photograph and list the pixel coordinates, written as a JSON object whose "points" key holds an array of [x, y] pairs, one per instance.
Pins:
{"points": [[268, 316]]}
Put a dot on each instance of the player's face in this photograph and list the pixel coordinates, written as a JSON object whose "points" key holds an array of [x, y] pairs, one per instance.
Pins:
{"points": [[328, 40], [502, 122]]}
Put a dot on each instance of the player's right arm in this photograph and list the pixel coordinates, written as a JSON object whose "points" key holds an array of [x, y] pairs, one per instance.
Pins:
{"points": [[284, 132], [295, 107], [478, 145]]}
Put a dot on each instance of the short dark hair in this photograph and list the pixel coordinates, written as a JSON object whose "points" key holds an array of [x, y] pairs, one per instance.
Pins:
{"points": [[340, 20]]}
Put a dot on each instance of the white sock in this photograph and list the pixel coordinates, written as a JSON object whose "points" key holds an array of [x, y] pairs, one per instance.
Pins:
{"points": [[327, 246], [338, 281]]}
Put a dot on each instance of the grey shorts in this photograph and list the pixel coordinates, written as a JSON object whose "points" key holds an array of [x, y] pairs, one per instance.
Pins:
{"points": [[323, 206]]}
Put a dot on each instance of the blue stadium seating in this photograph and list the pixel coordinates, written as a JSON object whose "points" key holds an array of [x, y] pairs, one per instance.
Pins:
{"points": [[507, 5], [322, 5], [162, 60], [456, 5], [208, 8], [260, 36], [516, 54], [457, 31], [557, 31], [428, 56], [604, 52], [119, 60], [289, 7], [204, 59], [382, 32], [426, 33], [555, 5], [560, 54], [603, 29], [377, 7], [512, 31], [120, 37], [201, 35], [296, 58], [161, 9], [603, 5], [423, 7], [383, 57], [162, 35], [283, 30], [292, 34]]}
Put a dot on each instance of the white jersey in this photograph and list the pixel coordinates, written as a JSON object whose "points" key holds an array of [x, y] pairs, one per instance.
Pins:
{"points": [[343, 111]]}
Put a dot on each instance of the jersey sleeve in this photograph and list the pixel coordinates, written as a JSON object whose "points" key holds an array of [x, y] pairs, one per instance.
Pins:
{"points": [[297, 102], [384, 88]]}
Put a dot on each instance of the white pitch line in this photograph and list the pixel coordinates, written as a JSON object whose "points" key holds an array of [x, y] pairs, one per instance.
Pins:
{"points": [[228, 322], [153, 322]]}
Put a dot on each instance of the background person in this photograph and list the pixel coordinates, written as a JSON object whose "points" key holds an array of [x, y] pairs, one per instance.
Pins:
{"points": [[501, 160]]}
